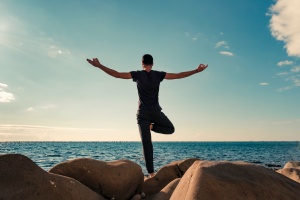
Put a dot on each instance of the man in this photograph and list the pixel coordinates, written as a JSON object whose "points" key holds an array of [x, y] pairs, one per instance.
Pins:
{"points": [[149, 115]]}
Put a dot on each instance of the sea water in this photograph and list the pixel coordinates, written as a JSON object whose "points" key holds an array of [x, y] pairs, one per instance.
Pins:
{"points": [[48, 154]]}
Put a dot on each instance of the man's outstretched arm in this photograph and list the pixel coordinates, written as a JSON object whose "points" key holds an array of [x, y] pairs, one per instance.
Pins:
{"points": [[171, 76], [95, 62]]}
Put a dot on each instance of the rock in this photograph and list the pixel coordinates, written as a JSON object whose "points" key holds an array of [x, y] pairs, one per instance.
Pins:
{"points": [[291, 173], [292, 164], [136, 197], [21, 178], [273, 165], [291, 170], [166, 192], [165, 175], [120, 179], [234, 180]]}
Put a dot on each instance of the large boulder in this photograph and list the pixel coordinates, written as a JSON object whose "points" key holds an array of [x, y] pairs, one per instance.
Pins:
{"points": [[291, 170], [120, 179], [292, 164], [166, 192], [234, 180], [21, 178], [165, 175]]}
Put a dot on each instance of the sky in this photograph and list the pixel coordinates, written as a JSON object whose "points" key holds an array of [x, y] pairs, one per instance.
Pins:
{"points": [[249, 92]]}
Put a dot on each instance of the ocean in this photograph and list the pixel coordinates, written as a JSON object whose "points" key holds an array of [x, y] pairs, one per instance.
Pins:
{"points": [[47, 154]]}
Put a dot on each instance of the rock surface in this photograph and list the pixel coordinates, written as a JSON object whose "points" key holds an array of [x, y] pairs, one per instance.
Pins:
{"points": [[292, 164], [291, 170], [21, 178], [165, 175], [191, 179], [234, 180], [121, 179], [166, 192]]}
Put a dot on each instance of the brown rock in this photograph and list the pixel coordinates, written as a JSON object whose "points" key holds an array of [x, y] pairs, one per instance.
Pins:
{"points": [[165, 175], [234, 180], [21, 178], [120, 179], [291, 170], [291, 173], [292, 164], [166, 192]]}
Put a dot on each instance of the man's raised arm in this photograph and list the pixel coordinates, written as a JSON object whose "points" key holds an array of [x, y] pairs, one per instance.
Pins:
{"points": [[171, 76], [124, 75]]}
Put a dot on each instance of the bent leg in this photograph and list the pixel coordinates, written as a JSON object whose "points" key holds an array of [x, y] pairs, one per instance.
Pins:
{"points": [[162, 124]]}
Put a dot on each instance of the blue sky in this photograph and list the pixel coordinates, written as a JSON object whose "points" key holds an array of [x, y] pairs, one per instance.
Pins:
{"points": [[249, 92]]}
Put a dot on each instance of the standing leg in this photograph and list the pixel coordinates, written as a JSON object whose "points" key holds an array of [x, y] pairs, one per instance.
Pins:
{"points": [[145, 134]]}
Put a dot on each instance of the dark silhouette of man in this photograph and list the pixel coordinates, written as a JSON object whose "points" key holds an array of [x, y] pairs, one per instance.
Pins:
{"points": [[149, 114]]}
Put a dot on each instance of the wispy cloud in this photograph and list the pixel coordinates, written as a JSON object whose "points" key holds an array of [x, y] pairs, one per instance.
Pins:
{"points": [[295, 69], [263, 84], [285, 26], [50, 133], [20, 36], [282, 73], [193, 37], [283, 89], [222, 44], [30, 109], [43, 107], [284, 63], [291, 75], [226, 53], [5, 97]]}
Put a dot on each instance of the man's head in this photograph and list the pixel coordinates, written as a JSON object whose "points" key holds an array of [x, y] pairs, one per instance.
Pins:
{"points": [[147, 59]]}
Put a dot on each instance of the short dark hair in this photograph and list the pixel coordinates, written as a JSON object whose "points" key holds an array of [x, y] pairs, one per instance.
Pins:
{"points": [[147, 59]]}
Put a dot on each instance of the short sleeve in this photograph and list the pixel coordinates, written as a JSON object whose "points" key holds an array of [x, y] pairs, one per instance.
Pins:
{"points": [[162, 75], [133, 75]]}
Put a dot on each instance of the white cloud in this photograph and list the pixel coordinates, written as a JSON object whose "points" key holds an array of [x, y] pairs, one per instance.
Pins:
{"points": [[283, 89], [194, 38], [55, 51], [296, 81], [39, 108], [30, 109], [283, 63], [264, 84], [221, 43], [2, 85], [285, 26], [5, 97], [282, 74], [226, 53], [295, 69]]}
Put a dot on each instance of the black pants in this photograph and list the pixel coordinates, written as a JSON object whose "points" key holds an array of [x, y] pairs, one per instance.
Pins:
{"points": [[161, 124]]}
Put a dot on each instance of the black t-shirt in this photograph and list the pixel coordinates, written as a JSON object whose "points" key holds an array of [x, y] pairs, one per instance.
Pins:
{"points": [[148, 88]]}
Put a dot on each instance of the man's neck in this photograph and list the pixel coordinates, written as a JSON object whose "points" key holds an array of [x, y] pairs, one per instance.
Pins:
{"points": [[147, 68]]}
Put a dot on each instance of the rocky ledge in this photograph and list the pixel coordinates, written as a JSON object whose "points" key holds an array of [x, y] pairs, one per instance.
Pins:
{"points": [[191, 179]]}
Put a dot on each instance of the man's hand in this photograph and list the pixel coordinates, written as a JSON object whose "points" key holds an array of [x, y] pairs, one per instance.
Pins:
{"points": [[201, 67], [95, 62]]}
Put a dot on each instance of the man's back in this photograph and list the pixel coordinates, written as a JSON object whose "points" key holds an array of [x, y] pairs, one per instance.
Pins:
{"points": [[148, 88]]}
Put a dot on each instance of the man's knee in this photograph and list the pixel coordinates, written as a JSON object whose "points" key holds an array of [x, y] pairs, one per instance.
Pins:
{"points": [[170, 130]]}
